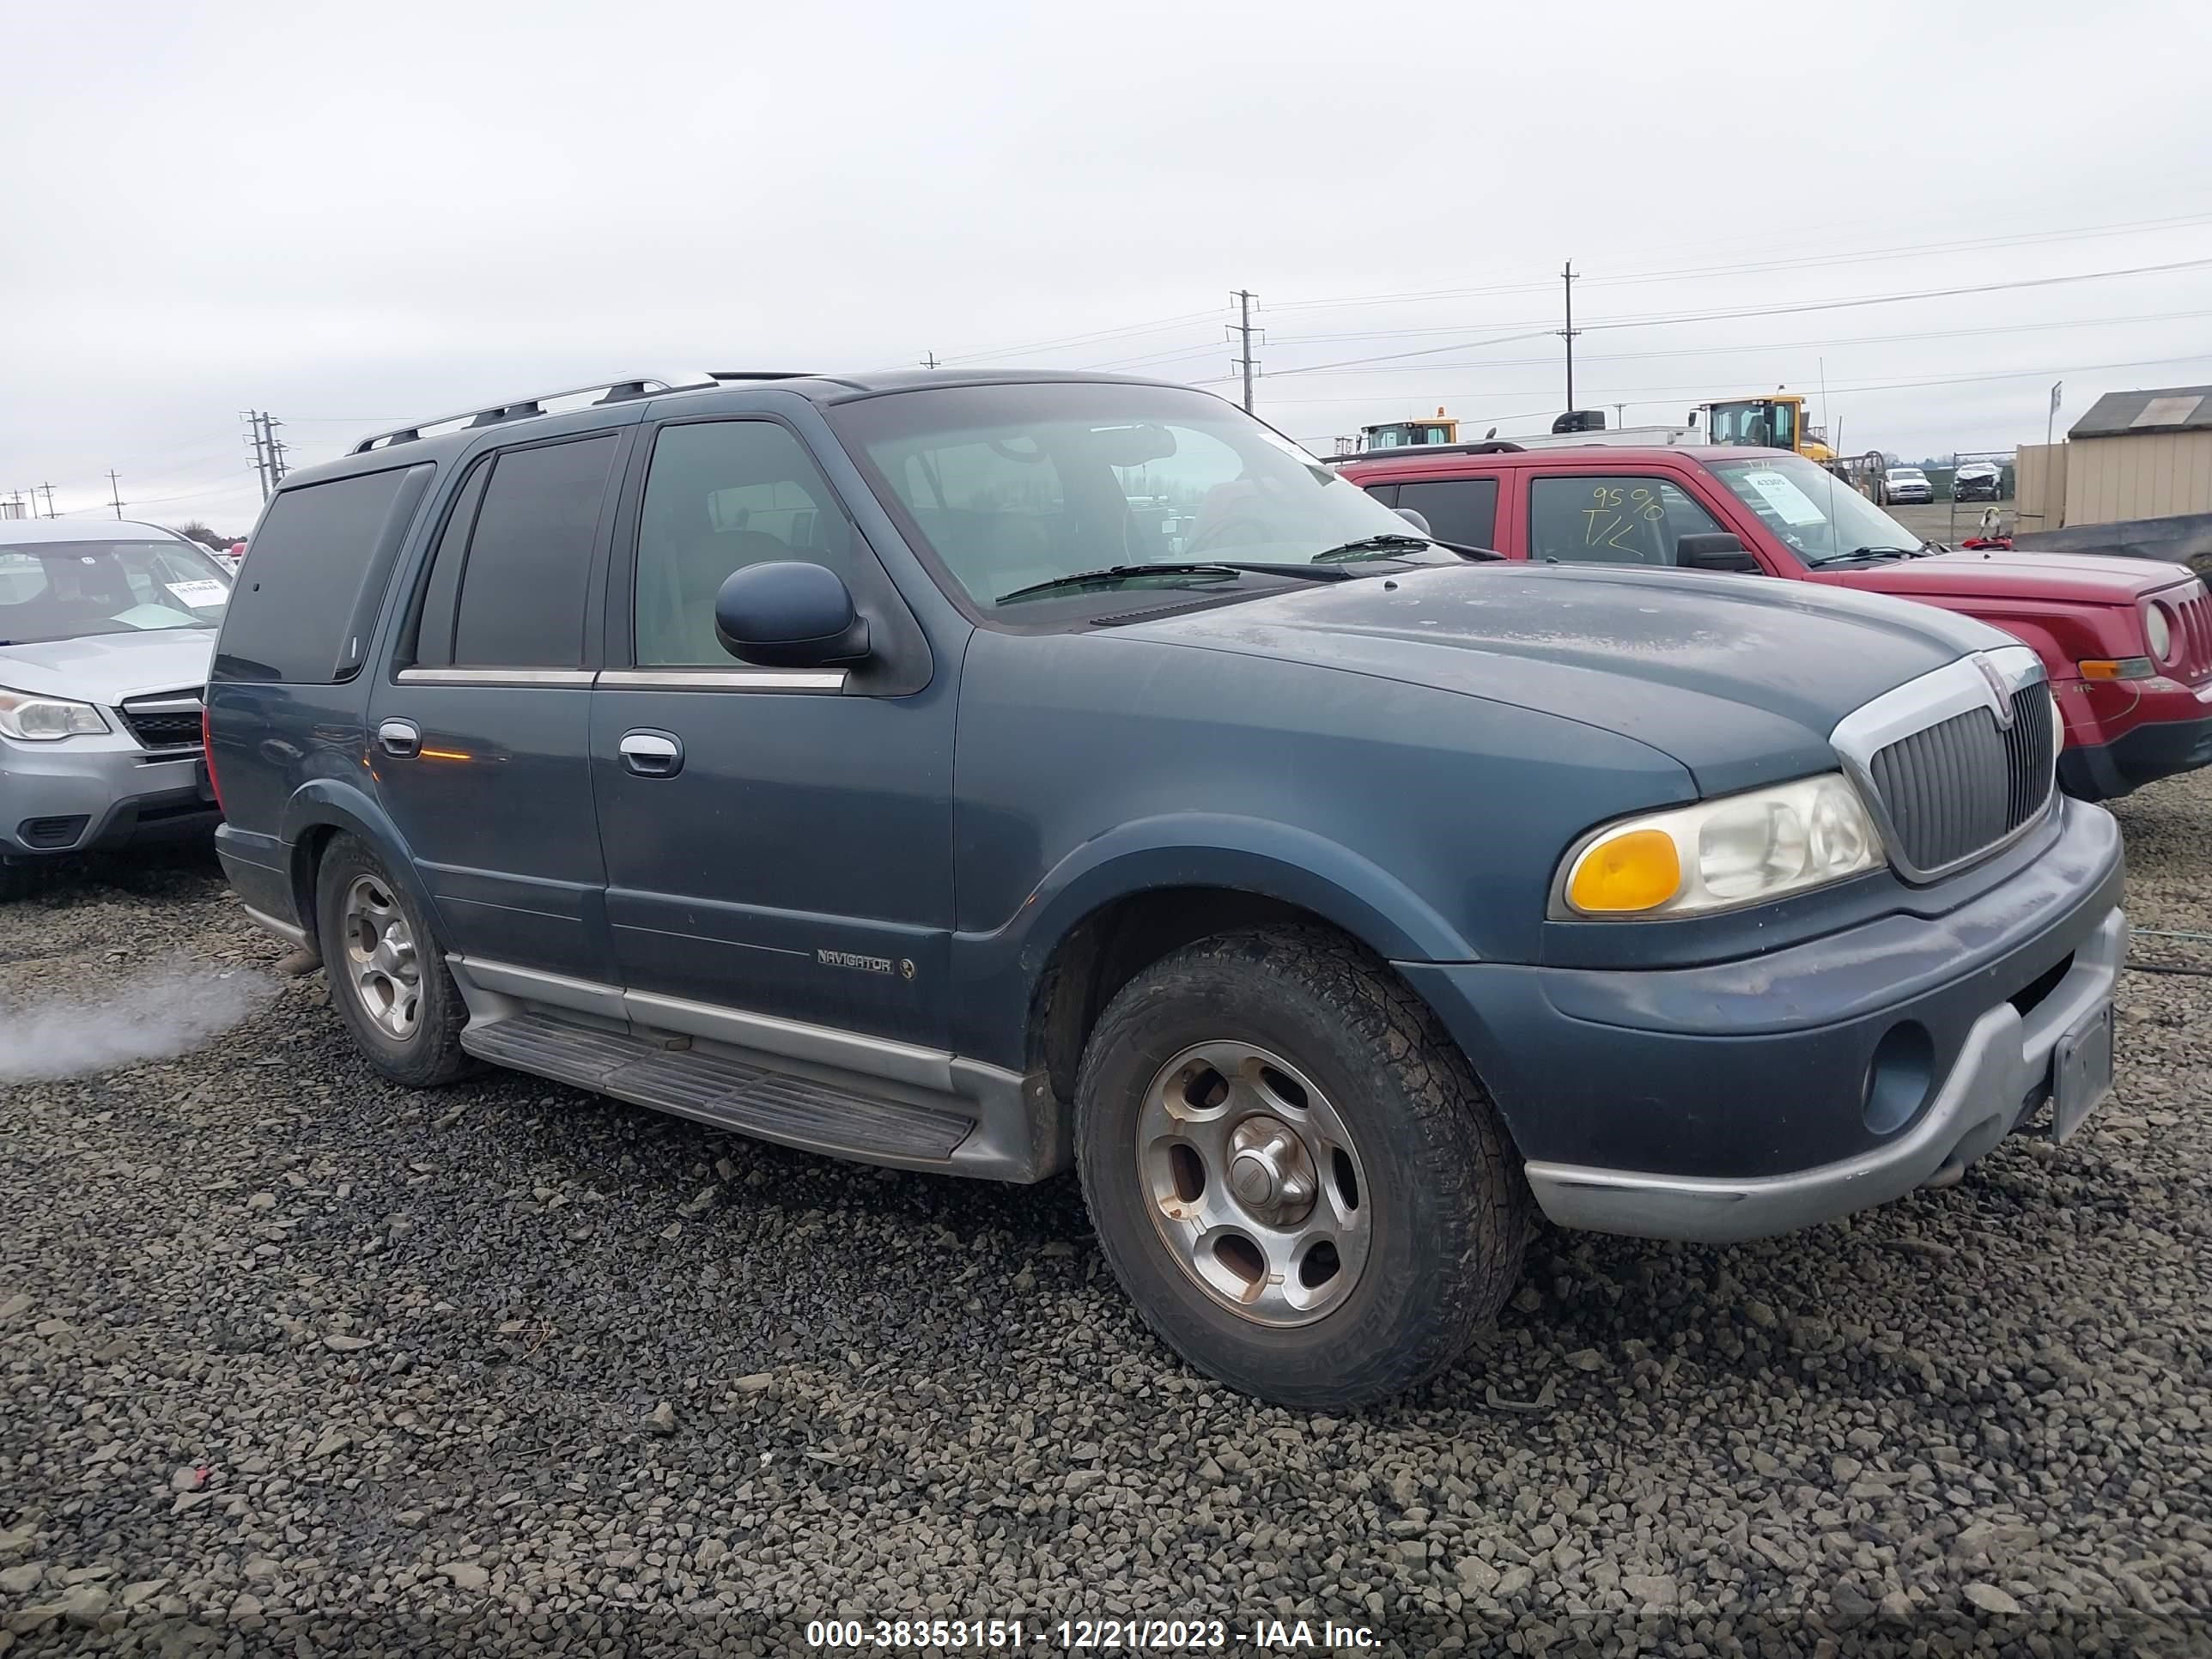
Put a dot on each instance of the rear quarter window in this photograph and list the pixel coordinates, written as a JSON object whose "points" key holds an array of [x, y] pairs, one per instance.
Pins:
{"points": [[322, 556]]}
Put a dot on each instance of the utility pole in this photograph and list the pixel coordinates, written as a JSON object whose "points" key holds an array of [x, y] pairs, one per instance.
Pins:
{"points": [[47, 490], [275, 445], [115, 490], [1567, 276], [1243, 329], [929, 360], [252, 420]]}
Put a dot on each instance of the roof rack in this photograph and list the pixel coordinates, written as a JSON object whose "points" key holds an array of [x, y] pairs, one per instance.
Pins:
{"points": [[1416, 452], [608, 391]]}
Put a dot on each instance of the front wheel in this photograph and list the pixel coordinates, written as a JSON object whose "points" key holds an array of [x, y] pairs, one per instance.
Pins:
{"points": [[1293, 1171]]}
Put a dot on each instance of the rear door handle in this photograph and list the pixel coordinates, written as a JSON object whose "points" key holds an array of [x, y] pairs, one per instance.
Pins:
{"points": [[651, 754], [400, 738]]}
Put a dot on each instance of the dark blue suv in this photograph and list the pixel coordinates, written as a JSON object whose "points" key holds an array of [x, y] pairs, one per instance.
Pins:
{"points": [[989, 774]]}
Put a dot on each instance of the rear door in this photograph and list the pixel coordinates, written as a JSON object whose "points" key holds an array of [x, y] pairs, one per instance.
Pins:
{"points": [[479, 732]]}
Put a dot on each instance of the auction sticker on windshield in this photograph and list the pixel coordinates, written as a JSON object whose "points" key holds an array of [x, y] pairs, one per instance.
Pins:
{"points": [[200, 594], [1781, 493]]}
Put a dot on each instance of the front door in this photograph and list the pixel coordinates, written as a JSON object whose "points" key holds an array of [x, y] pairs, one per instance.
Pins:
{"points": [[478, 740], [777, 841]]}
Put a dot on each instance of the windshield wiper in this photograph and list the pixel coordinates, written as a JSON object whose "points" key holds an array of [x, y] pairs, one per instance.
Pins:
{"points": [[1384, 546], [1120, 572]]}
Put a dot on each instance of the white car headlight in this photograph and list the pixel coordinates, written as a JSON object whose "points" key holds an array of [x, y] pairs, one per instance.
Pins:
{"points": [[1721, 854], [43, 720]]}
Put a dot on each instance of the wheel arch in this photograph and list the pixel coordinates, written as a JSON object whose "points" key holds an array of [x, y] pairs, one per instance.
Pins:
{"points": [[1122, 901], [319, 811]]}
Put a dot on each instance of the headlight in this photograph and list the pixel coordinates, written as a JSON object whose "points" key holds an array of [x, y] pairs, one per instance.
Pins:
{"points": [[42, 719], [2159, 631], [1721, 854]]}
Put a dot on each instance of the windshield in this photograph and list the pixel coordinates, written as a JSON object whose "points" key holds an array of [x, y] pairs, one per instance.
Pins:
{"points": [[1811, 511], [66, 590], [1013, 486], [1759, 422]]}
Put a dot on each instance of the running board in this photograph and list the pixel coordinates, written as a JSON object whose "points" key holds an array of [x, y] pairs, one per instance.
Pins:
{"points": [[715, 1088]]}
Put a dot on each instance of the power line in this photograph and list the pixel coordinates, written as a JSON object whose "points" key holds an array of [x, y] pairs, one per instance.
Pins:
{"points": [[1920, 250], [1733, 313], [1155, 325]]}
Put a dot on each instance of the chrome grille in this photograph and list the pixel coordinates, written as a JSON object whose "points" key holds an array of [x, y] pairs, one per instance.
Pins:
{"points": [[2192, 634], [168, 719], [1958, 787]]}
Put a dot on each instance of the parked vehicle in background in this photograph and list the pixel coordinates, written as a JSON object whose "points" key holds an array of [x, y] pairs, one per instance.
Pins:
{"points": [[843, 760], [1904, 486], [1977, 481], [2127, 642], [104, 634]]}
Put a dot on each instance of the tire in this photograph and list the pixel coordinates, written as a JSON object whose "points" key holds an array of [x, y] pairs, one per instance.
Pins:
{"points": [[1428, 1167], [16, 881], [363, 985]]}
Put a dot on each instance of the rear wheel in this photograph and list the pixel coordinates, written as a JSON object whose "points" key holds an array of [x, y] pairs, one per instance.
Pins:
{"points": [[1293, 1171], [16, 881], [386, 975]]}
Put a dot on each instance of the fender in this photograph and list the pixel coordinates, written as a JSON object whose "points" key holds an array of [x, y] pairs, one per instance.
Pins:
{"points": [[336, 804], [996, 973]]}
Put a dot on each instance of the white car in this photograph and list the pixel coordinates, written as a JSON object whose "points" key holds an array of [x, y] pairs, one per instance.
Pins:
{"points": [[1900, 484]]}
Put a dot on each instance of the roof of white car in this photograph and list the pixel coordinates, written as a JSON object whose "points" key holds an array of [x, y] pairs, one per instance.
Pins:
{"points": [[20, 531]]}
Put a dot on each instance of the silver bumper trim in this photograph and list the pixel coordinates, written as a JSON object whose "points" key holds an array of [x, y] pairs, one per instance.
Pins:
{"points": [[2002, 1059]]}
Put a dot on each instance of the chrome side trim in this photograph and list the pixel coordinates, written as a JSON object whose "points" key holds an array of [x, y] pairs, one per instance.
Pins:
{"points": [[723, 679], [276, 929], [581, 996], [1999, 1065], [574, 676], [821, 1045], [1957, 688]]}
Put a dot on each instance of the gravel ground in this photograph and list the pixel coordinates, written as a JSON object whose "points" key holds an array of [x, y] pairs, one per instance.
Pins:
{"points": [[292, 1362]]}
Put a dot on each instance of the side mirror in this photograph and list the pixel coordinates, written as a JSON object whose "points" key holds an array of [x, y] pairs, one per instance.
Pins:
{"points": [[789, 615], [1414, 519], [1718, 551]]}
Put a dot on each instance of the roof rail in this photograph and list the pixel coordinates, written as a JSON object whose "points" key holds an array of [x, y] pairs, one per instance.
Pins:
{"points": [[1418, 451], [761, 375], [610, 391]]}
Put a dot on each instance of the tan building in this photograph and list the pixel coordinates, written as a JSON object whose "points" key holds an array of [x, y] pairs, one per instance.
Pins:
{"points": [[2134, 455]]}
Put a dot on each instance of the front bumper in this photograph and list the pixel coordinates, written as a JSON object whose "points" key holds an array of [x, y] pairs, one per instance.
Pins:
{"points": [[2157, 749], [1755, 1097], [88, 795]]}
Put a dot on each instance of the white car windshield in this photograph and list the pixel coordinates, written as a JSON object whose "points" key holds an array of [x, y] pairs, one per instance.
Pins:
{"points": [[1813, 511], [67, 590]]}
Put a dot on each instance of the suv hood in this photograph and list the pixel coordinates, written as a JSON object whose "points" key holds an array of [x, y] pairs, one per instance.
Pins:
{"points": [[2062, 578], [106, 668], [1740, 679]]}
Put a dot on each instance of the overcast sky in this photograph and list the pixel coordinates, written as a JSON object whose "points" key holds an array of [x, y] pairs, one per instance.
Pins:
{"points": [[352, 216]]}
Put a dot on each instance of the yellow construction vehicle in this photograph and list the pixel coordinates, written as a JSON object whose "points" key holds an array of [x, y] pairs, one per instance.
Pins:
{"points": [[1404, 434], [1774, 422]]}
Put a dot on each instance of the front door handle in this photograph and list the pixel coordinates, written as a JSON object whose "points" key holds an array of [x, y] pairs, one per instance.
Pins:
{"points": [[651, 754], [400, 738]]}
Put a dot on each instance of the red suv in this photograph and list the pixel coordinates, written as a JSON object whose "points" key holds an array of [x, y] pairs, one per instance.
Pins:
{"points": [[2128, 642]]}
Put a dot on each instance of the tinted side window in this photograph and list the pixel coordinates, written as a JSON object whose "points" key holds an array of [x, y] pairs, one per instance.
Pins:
{"points": [[322, 556], [523, 589], [722, 494], [433, 629], [1462, 510], [1611, 519]]}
